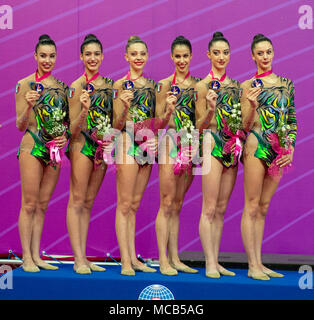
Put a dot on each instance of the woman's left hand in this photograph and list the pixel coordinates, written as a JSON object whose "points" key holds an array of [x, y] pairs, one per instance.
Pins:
{"points": [[60, 141], [152, 144], [286, 159], [107, 146]]}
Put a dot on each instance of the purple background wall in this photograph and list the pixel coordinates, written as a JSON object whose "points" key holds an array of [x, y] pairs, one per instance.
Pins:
{"points": [[289, 227]]}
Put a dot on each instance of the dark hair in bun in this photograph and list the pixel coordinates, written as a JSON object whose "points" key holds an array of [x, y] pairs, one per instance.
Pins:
{"points": [[217, 36], [181, 41], [259, 38], [90, 38], [44, 39]]}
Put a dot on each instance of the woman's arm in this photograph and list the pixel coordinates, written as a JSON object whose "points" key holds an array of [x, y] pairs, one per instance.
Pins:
{"points": [[25, 99], [79, 105], [165, 103], [204, 106], [249, 105], [121, 105]]}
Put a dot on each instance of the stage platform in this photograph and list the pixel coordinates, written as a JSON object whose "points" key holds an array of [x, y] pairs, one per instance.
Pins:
{"points": [[64, 284]]}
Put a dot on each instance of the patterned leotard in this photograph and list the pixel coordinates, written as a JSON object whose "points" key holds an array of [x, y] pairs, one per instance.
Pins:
{"points": [[143, 103], [184, 109], [51, 98], [276, 109], [101, 105], [228, 96]]}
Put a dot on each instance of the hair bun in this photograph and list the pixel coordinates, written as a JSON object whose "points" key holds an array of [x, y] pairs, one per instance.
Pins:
{"points": [[218, 34], [90, 36], [178, 38], [134, 38], [44, 37], [258, 36]]}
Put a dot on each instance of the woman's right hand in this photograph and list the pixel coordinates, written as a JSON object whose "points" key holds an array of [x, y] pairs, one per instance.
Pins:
{"points": [[85, 100], [31, 97], [171, 101], [211, 98], [126, 97], [252, 95]]}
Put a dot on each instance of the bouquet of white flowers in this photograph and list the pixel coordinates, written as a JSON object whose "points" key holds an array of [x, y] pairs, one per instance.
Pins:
{"points": [[235, 120], [103, 127], [55, 125], [136, 115], [282, 132], [187, 141], [102, 135]]}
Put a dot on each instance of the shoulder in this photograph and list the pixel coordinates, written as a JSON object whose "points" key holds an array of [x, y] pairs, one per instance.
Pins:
{"points": [[234, 83], [108, 81], [62, 84], [163, 85], [286, 82], [23, 84], [118, 84], [201, 86], [246, 84], [151, 81], [77, 84], [195, 79]]}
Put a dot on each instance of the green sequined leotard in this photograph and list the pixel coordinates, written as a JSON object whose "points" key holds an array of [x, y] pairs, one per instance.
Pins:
{"points": [[276, 109], [50, 99]]}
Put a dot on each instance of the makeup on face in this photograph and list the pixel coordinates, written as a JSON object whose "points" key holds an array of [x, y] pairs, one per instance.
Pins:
{"points": [[181, 57], [46, 56]]}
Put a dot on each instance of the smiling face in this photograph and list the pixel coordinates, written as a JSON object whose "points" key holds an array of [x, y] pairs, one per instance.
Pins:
{"points": [[92, 57], [136, 56], [46, 57], [219, 55], [263, 54], [181, 56]]}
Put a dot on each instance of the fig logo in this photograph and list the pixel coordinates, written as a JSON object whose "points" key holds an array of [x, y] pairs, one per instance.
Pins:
{"points": [[156, 292], [6, 17]]}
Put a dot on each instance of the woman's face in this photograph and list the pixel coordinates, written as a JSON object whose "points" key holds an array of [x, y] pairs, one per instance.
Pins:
{"points": [[219, 54], [46, 57], [263, 54], [181, 56], [92, 57], [136, 56]]}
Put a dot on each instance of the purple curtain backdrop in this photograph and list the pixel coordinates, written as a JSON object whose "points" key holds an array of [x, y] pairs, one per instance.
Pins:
{"points": [[289, 224]]}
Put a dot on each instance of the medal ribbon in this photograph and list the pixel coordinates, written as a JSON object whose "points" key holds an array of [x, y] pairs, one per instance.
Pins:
{"points": [[214, 78], [128, 77], [46, 75], [174, 78], [92, 78], [263, 74]]}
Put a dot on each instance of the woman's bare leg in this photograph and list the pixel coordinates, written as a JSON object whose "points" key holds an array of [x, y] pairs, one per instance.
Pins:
{"points": [[254, 173], [126, 184], [81, 169], [94, 184], [47, 187], [209, 221], [227, 183], [269, 188], [141, 183], [31, 172]]}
